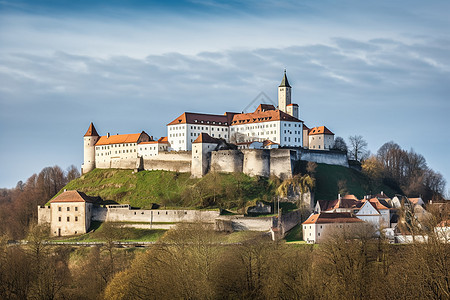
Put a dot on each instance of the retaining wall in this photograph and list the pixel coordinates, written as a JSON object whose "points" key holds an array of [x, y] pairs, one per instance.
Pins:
{"points": [[324, 157], [122, 213]]}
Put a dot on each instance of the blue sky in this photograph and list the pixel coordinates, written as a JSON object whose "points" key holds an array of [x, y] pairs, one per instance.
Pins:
{"points": [[375, 68]]}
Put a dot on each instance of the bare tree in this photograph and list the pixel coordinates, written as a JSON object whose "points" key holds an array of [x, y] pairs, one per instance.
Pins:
{"points": [[339, 144], [358, 148]]}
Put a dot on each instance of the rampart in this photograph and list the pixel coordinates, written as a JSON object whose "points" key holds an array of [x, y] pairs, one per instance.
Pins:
{"points": [[256, 162], [227, 161], [124, 213], [169, 161], [324, 157]]}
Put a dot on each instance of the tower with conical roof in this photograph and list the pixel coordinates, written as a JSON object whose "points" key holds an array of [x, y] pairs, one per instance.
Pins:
{"points": [[90, 138], [284, 94]]}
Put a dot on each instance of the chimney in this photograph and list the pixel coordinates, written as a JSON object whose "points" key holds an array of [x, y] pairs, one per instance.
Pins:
{"points": [[108, 135], [339, 196], [382, 193]]}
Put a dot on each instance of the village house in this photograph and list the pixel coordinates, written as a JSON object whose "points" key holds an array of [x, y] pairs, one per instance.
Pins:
{"points": [[69, 213], [319, 226]]}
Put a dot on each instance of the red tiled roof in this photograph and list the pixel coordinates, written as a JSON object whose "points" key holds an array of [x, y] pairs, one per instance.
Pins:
{"points": [[75, 196], [263, 116], [347, 201], [162, 140], [196, 118], [375, 203], [268, 143], [91, 131], [325, 218], [119, 139], [320, 130], [264, 107], [206, 138]]}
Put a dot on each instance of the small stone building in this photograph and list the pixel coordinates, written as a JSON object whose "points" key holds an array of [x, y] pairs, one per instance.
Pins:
{"points": [[69, 213]]}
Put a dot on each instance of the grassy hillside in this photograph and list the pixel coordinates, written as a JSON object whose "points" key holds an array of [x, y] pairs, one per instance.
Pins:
{"points": [[172, 189], [330, 180]]}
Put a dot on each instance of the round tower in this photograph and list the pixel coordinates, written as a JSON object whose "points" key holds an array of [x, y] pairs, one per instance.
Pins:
{"points": [[90, 138]]}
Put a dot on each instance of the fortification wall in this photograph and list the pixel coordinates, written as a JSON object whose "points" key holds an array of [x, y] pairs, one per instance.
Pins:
{"points": [[281, 162], [241, 223], [227, 161], [123, 213], [169, 161], [118, 164], [256, 162], [44, 215], [289, 220], [324, 157]]}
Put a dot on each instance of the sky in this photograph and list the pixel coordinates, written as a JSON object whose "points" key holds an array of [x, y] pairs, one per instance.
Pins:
{"points": [[380, 69]]}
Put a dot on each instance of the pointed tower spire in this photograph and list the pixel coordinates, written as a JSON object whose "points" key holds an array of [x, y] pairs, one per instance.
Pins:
{"points": [[284, 82], [91, 131]]}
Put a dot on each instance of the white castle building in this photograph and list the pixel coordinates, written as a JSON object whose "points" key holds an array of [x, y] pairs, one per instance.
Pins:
{"points": [[267, 126], [281, 125]]}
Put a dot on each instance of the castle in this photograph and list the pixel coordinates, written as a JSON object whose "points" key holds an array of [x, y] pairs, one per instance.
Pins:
{"points": [[265, 142]]}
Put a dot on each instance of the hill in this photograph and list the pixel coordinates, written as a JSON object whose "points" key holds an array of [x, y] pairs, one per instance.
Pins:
{"points": [[146, 189], [173, 189], [332, 180]]}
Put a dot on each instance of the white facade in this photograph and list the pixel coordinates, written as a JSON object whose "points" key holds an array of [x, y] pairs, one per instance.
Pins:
{"points": [[181, 136], [316, 233], [284, 133], [377, 217], [151, 149], [321, 141], [104, 154]]}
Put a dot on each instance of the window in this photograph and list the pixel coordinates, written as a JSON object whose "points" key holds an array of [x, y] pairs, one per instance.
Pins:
{"points": [[76, 208], [76, 219], [68, 219], [59, 208], [59, 219], [68, 208]]}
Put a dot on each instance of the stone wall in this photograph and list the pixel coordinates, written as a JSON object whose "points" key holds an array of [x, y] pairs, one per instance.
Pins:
{"points": [[289, 220], [241, 223], [123, 213], [44, 215], [256, 162], [118, 164], [227, 161], [169, 161], [281, 162], [324, 157]]}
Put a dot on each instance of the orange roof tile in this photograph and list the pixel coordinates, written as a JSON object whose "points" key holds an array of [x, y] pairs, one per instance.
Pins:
{"points": [[91, 131], [119, 139], [162, 140], [206, 138], [319, 130], [376, 203], [325, 218], [75, 196]]}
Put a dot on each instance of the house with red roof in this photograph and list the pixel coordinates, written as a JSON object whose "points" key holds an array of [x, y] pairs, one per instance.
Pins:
{"points": [[372, 211], [69, 213], [320, 226]]}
